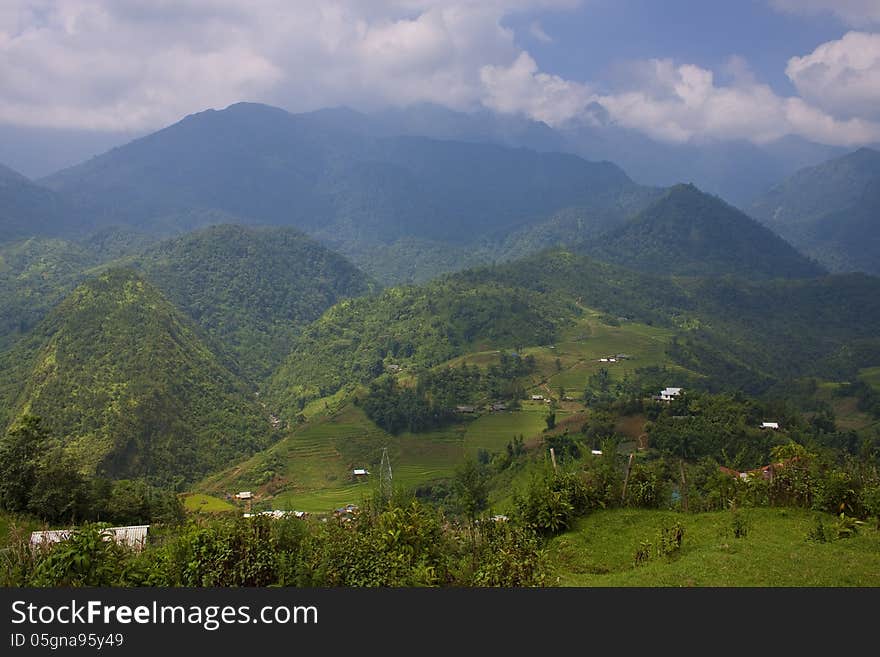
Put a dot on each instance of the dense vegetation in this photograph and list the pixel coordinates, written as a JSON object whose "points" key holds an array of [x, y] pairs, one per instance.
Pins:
{"points": [[410, 327], [35, 274], [741, 335], [126, 386], [396, 543], [689, 233], [441, 394], [251, 289]]}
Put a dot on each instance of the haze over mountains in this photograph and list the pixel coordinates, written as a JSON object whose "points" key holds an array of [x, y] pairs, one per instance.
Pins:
{"points": [[404, 208], [831, 211]]}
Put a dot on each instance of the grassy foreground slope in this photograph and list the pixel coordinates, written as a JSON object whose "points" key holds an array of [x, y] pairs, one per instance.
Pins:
{"points": [[775, 551]]}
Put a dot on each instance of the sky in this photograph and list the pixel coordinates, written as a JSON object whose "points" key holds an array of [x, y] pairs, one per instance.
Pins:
{"points": [[675, 70]]}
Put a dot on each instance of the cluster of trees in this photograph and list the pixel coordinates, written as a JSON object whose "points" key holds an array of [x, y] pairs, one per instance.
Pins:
{"points": [[431, 403], [469, 383], [45, 482], [396, 408]]}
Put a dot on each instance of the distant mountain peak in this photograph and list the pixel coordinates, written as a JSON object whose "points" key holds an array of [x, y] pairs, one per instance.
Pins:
{"points": [[690, 232]]}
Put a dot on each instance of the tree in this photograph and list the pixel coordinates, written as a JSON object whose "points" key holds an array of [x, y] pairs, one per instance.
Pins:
{"points": [[19, 454], [60, 492], [471, 490], [550, 419]]}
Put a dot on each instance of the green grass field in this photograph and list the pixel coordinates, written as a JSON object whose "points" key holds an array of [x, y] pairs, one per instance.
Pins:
{"points": [[318, 457], [871, 375], [493, 431], [600, 551], [201, 503]]}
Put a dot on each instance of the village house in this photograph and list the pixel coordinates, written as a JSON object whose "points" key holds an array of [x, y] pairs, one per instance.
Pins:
{"points": [[769, 425], [668, 394]]}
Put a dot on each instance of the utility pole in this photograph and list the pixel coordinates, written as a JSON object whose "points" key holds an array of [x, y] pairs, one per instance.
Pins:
{"points": [[385, 479]]}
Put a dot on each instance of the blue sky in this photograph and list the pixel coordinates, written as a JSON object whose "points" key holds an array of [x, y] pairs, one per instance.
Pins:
{"points": [[589, 43], [674, 70]]}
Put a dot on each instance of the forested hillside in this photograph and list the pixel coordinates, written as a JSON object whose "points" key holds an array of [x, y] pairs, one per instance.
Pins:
{"points": [[748, 335], [689, 233], [125, 385], [251, 289]]}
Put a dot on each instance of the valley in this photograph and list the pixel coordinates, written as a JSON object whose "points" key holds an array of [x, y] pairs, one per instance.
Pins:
{"points": [[576, 379]]}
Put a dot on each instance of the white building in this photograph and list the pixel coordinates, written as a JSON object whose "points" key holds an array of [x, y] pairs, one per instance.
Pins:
{"points": [[769, 425], [133, 536], [668, 394]]}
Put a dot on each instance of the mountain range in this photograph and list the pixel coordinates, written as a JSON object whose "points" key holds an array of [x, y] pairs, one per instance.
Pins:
{"points": [[170, 305]]}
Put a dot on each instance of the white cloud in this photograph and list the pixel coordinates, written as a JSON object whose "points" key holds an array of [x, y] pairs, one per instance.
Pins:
{"points": [[841, 76], [856, 13], [135, 64], [522, 89], [537, 31], [683, 102]]}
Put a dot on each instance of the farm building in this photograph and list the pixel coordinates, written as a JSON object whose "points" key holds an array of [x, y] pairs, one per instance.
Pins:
{"points": [[359, 472], [537, 397], [133, 536], [277, 514], [465, 409], [244, 495]]}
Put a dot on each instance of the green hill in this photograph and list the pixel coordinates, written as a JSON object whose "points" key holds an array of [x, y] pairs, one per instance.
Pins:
{"points": [[123, 381], [357, 339], [830, 211], [742, 333], [251, 289], [689, 233]]}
